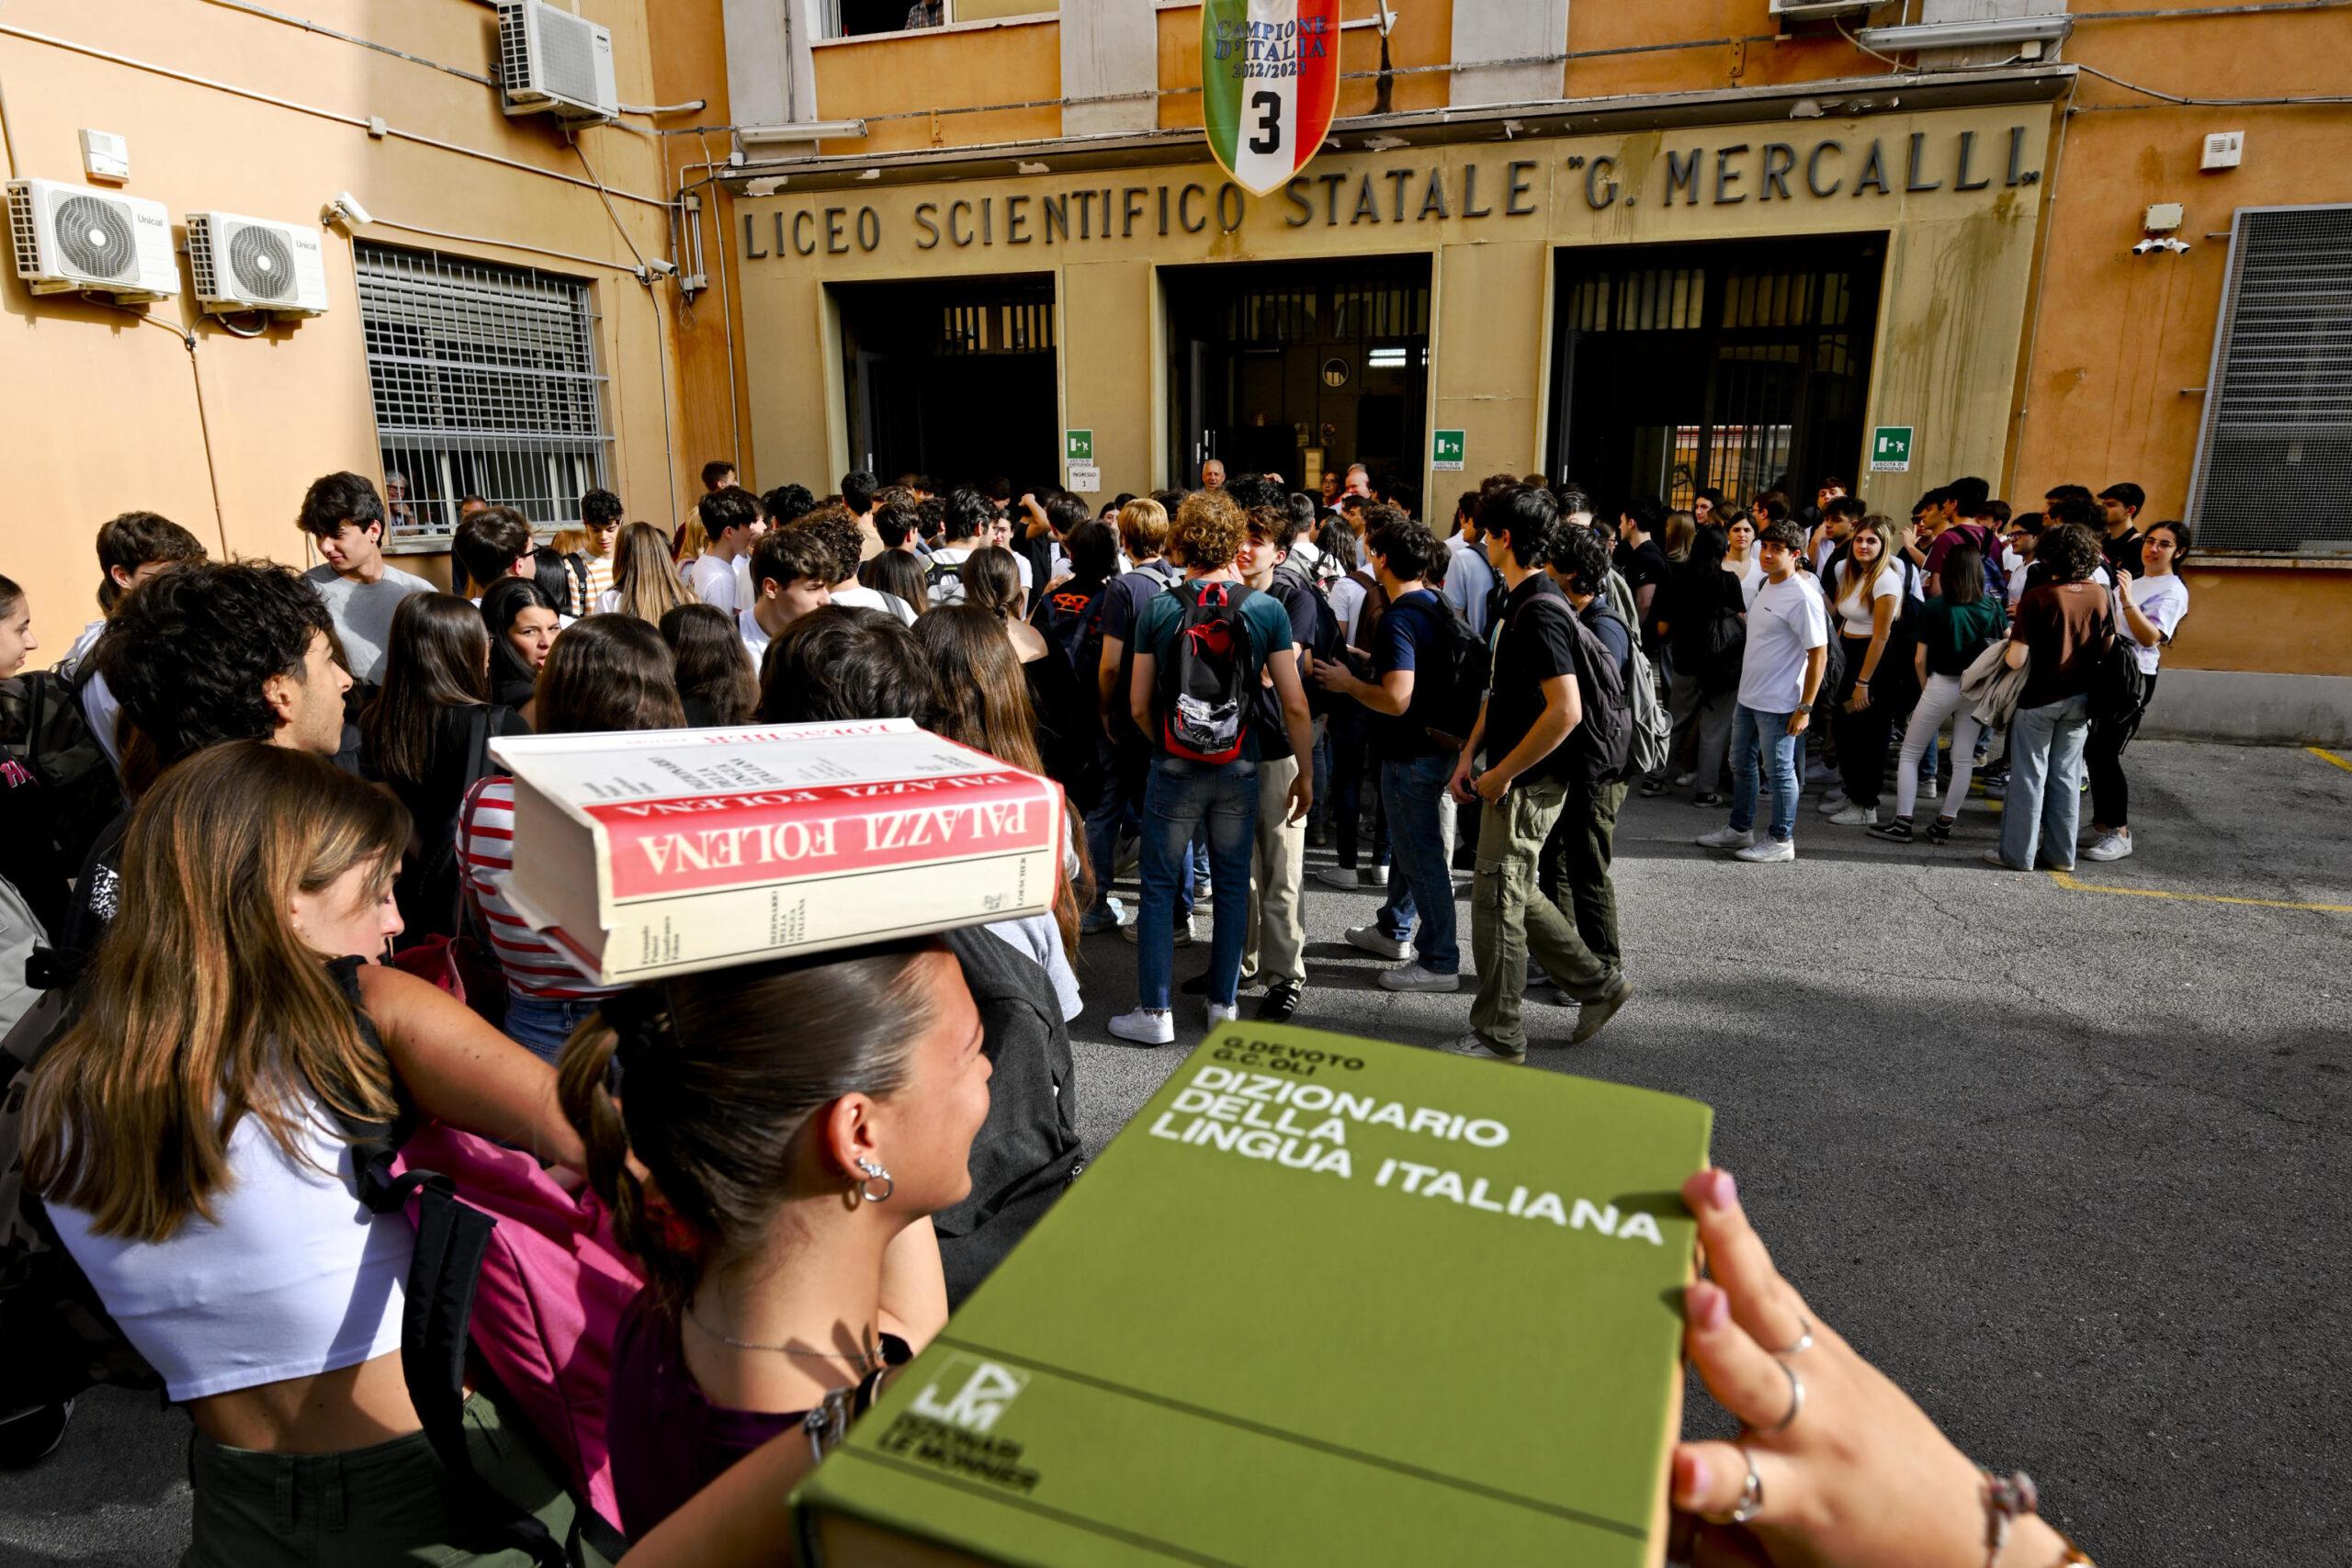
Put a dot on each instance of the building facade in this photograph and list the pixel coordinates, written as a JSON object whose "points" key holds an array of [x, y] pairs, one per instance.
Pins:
{"points": [[1653, 247]]}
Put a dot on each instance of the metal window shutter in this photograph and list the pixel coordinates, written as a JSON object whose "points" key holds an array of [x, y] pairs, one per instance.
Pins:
{"points": [[2274, 460]]}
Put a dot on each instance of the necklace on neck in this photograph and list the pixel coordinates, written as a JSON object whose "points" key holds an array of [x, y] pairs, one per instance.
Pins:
{"points": [[866, 1360]]}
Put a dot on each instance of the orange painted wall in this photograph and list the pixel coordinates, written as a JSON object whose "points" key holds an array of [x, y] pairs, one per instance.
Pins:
{"points": [[893, 81]]}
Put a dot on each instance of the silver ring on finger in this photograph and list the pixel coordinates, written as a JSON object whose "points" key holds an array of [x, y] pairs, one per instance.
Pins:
{"points": [[1803, 1340], [1796, 1400], [1751, 1495]]}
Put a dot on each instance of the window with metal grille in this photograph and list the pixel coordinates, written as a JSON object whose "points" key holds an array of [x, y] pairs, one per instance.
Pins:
{"points": [[2274, 456], [485, 383]]}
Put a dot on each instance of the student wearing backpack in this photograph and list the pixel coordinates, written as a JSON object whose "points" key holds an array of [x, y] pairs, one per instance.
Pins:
{"points": [[190, 1136], [1574, 871], [1126, 751], [1708, 635], [1200, 648], [1536, 746], [968, 518], [1413, 654]]}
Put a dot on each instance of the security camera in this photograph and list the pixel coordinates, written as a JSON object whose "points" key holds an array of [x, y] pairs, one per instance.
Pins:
{"points": [[2177, 247], [345, 211], [660, 268]]}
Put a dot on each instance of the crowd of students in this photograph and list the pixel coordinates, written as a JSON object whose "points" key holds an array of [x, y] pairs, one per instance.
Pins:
{"points": [[245, 787]]}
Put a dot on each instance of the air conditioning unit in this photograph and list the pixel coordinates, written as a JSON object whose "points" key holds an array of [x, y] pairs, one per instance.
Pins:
{"points": [[252, 263], [69, 239], [554, 62], [1807, 10]]}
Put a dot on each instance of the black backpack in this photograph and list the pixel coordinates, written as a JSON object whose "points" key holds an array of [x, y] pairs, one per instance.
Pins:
{"points": [[1449, 711], [1203, 682], [1071, 620], [1600, 750], [1329, 644]]}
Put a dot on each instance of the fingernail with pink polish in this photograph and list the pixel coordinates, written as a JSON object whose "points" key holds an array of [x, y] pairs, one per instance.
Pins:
{"points": [[1694, 1476], [1709, 1307], [1722, 1190]]}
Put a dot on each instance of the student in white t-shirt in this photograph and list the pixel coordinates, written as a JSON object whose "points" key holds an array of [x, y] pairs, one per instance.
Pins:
{"points": [[2148, 608], [730, 520], [1866, 593], [793, 568], [1787, 652]]}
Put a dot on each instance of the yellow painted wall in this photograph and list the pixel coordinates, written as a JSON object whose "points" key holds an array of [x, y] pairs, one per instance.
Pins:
{"points": [[98, 410], [916, 90]]}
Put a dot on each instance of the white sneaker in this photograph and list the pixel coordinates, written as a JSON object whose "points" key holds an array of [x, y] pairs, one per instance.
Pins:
{"points": [[1684, 781], [1371, 939], [2115, 846], [1351, 879], [1221, 1013], [1856, 817], [1146, 1026], [1930, 790], [1471, 1045], [1833, 802], [1133, 931], [1413, 978], [1726, 838], [1768, 851]]}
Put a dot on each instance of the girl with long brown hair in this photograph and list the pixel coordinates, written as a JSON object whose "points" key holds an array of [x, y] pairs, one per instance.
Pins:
{"points": [[782, 1208], [983, 702], [191, 1136], [1061, 711], [425, 736], [717, 685], [646, 583], [1866, 594]]}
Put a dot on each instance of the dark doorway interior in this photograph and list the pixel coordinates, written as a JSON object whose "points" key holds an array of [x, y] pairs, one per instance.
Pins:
{"points": [[952, 380], [1270, 362], [1737, 366]]}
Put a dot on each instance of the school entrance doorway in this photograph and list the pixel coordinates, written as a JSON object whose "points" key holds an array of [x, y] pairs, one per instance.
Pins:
{"points": [[1295, 369], [955, 380], [1738, 367]]}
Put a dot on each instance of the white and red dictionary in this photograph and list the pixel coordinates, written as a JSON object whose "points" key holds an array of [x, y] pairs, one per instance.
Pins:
{"points": [[658, 853]]}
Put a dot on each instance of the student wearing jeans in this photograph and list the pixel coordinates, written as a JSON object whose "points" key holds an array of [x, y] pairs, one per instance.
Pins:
{"points": [[1788, 643], [1415, 634], [1182, 795], [1955, 626], [2064, 626]]}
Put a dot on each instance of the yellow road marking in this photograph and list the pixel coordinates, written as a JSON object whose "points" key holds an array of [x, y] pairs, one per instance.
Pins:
{"points": [[2326, 756], [2066, 879]]}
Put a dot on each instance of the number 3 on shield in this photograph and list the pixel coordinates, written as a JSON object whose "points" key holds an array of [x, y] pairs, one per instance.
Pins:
{"points": [[1269, 108]]}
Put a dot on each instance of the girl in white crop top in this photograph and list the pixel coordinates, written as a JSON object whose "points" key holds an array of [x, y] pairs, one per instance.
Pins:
{"points": [[188, 1133]]}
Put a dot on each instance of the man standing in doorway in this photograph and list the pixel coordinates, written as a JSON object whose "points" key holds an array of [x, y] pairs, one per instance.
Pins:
{"points": [[344, 514], [1788, 648], [1528, 733], [1212, 474], [730, 520]]}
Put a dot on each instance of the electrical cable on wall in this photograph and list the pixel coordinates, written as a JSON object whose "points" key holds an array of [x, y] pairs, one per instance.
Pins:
{"points": [[186, 336]]}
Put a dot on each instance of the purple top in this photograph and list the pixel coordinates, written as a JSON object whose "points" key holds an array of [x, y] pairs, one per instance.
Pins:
{"points": [[668, 1439]]}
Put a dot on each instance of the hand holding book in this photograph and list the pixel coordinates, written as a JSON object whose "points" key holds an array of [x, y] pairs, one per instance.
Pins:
{"points": [[1856, 1475]]}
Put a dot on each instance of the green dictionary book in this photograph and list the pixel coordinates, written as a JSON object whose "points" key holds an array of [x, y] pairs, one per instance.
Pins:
{"points": [[1324, 1301]]}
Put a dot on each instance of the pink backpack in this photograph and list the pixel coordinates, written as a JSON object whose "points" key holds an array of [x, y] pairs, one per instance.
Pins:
{"points": [[549, 1299]]}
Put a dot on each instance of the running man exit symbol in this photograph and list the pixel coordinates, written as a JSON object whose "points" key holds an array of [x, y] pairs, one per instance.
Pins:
{"points": [[1891, 449], [1445, 450], [1078, 445]]}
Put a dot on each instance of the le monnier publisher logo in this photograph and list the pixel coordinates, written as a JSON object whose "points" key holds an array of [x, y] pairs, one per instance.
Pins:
{"points": [[950, 1426]]}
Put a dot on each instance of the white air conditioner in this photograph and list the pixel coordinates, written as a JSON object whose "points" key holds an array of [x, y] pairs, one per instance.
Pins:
{"points": [[554, 62], [1806, 10], [254, 263], [69, 239]]}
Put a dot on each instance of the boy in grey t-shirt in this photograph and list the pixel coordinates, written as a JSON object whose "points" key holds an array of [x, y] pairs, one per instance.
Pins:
{"points": [[345, 516]]}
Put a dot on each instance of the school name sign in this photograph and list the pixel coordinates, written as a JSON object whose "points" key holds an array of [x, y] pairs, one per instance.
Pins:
{"points": [[1760, 171]]}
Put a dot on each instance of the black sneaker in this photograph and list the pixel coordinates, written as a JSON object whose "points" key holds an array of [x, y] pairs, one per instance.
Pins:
{"points": [[1708, 797], [1940, 830], [1282, 1001], [1896, 832], [1198, 985]]}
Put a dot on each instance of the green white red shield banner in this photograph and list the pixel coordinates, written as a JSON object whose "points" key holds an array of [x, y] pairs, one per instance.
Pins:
{"points": [[1270, 83]]}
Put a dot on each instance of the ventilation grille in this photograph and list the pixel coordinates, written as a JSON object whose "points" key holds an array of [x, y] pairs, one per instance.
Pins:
{"points": [[261, 264], [23, 235], [514, 48], [568, 56], [2275, 451], [199, 256], [93, 238]]}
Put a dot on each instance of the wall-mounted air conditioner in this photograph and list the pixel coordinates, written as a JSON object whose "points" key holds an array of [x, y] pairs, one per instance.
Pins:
{"points": [[254, 263], [1807, 10], [554, 62], [71, 239]]}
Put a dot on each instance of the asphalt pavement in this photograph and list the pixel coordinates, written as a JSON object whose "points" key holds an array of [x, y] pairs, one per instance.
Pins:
{"points": [[2061, 1154]]}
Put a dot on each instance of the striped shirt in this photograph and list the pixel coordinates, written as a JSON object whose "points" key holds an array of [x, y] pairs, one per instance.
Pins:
{"points": [[600, 578], [486, 845]]}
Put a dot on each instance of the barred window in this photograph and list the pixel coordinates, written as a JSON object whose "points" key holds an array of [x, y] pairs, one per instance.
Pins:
{"points": [[2275, 455], [485, 383]]}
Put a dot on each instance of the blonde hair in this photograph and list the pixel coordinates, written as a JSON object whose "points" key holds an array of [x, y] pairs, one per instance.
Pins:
{"points": [[693, 542], [205, 1006], [1865, 580], [645, 576], [568, 541], [1143, 527]]}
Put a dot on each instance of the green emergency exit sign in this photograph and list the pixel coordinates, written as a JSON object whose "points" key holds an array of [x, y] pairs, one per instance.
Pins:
{"points": [[1078, 445], [1891, 449], [1445, 451]]}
